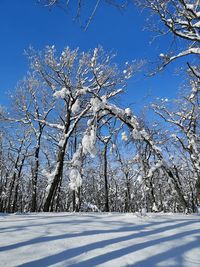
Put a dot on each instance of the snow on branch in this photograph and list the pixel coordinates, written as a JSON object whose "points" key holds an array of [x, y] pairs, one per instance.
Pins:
{"points": [[167, 59], [182, 20]]}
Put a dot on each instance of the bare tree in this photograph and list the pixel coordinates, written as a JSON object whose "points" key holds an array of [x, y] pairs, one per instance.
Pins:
{"points": [[18, 153], [31, 106], [181, 20], [110, 127], [84, 10], [78, 83], [185, 118]]}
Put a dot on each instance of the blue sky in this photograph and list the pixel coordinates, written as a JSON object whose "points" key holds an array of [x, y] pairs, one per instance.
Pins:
{"points": [[24, 23]]}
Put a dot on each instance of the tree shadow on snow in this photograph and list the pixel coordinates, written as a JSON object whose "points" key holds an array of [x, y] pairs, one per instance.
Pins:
{"points": [[34, 217], [138, 232], [87, 233]]}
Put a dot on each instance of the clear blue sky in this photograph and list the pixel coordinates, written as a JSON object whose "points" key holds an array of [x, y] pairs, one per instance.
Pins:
{"points": [[24, 23]]}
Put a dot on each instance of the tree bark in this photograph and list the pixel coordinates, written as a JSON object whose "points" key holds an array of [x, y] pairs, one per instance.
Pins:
{"points": [[56, 179], [17, 186], [35, 177], [106, 178], [177, 188]]}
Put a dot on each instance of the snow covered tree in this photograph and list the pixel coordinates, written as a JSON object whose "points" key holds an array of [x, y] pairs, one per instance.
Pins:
{"points": [[80, 83], [65, 104], [181, 19], [4, 168], [184, 118], [107, 131], [15, 153], [31, 106], [128, 173]]}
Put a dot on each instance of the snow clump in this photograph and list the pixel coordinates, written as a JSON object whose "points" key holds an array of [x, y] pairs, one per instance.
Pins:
{"points": [[124, 137], [76, 106], [75, 179], [96, 104], [61, 93], [88, 142], [128, 112]]}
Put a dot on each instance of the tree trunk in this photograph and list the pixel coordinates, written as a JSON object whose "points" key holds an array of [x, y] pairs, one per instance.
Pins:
{"points": [[35, 177], [59, 166], [78, 200], [73, 200], [9, 208], [17, 186], [57, 177], [198, 189], [127, 194], [106, 178], [12, 184], [177, 188]]}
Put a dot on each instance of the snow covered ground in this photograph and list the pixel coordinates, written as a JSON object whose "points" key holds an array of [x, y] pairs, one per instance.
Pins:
{"points": [[66, 239]]}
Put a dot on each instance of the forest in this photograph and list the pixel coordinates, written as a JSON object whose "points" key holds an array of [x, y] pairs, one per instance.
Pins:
{"points": [[68, 144]]}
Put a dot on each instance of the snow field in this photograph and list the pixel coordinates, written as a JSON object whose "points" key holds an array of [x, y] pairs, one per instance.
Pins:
{"points": [[99, 239]]}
